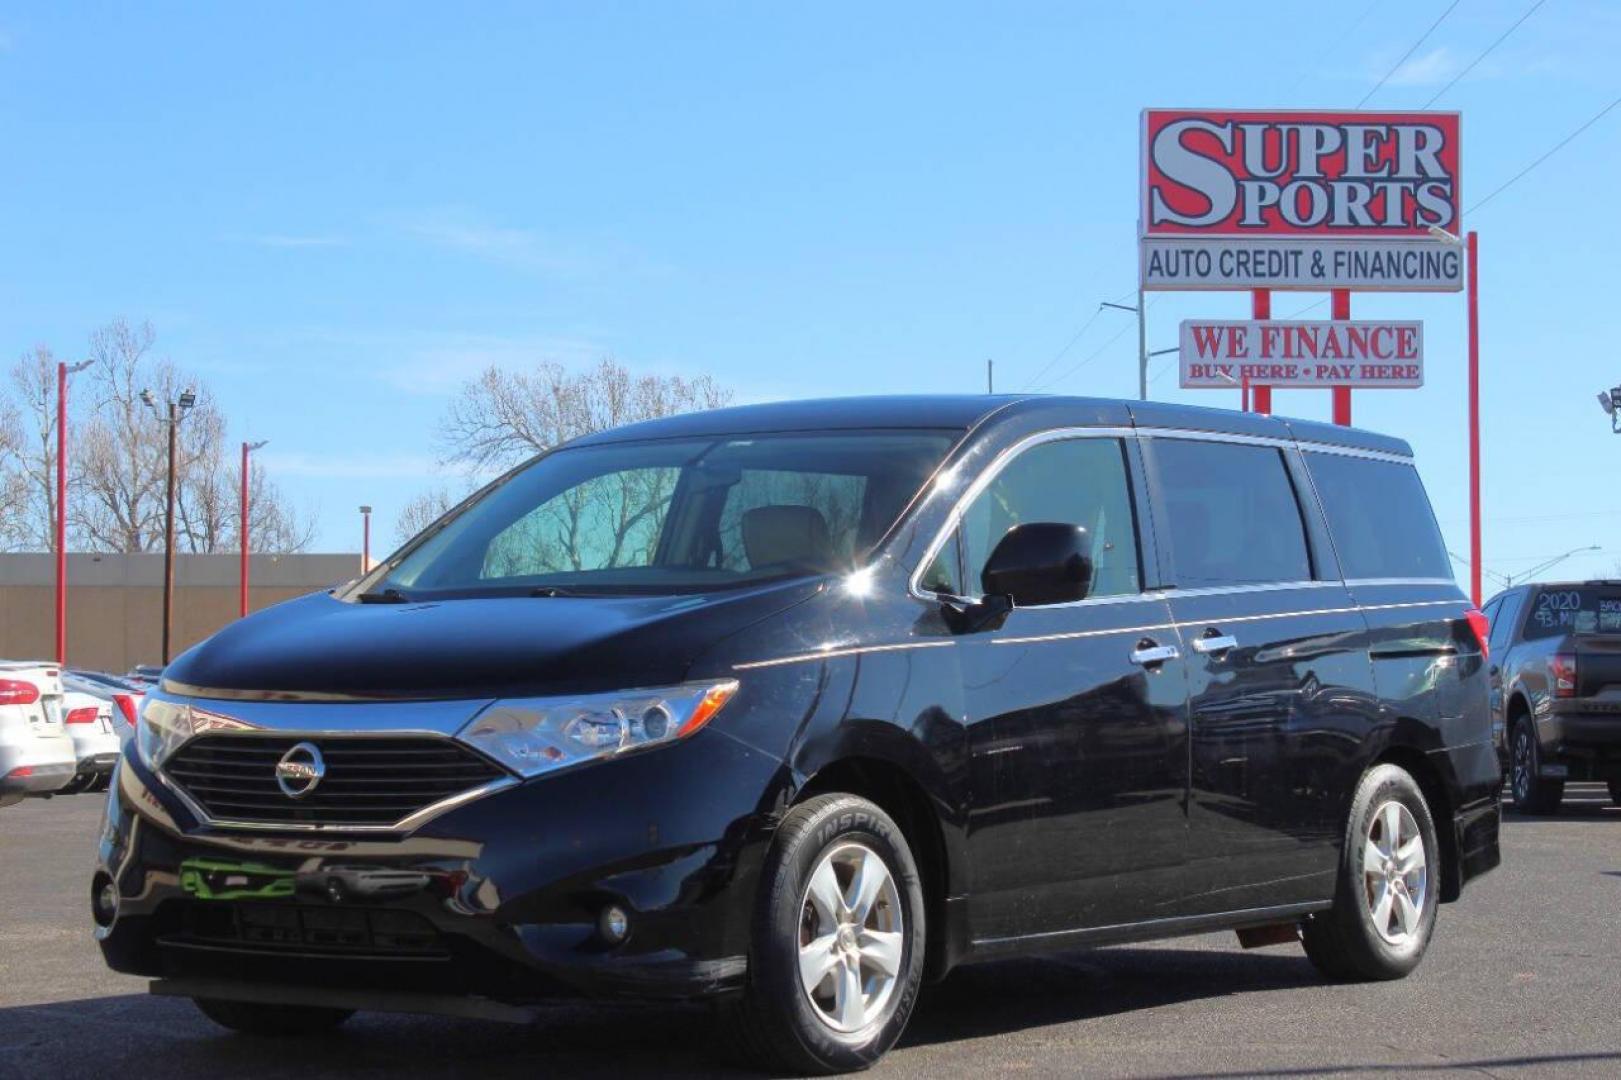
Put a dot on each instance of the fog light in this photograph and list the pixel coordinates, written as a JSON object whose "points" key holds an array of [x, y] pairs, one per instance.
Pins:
{"points": [[614, 924], [104, 901]]}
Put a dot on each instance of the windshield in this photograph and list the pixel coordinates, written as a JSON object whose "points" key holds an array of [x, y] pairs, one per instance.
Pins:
{"points": [[685, 515], [1584, 609]]}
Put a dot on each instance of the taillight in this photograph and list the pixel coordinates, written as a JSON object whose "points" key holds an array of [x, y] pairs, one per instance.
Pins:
{"points": [[1477, 623], [1563, 669], [86, 715], [126, 705], [17, 692]]}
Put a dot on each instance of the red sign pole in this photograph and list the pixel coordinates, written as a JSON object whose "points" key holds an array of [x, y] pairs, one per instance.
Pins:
{"points": [[1473, 282], [1261, 308], [61, 513], [1342, 394]]}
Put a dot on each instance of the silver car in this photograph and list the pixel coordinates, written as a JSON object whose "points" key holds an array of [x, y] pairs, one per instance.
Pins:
{"points": [[37, 756]]}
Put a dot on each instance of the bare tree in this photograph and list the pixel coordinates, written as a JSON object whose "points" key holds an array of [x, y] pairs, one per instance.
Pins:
{"points": [[423, 511], [503, 417], [31, 476], [118, 459]]}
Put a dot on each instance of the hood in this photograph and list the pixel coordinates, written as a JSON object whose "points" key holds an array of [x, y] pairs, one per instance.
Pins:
{"points": [[474, 648]]}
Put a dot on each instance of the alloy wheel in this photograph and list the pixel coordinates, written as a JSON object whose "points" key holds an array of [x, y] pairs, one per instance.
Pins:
{"points": [[850, 938], [1521, 778], [1395, 872]]}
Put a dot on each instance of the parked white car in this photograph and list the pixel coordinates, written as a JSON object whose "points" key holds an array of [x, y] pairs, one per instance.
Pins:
{"points": [[89, 723], [37, 755], [120, 701]]}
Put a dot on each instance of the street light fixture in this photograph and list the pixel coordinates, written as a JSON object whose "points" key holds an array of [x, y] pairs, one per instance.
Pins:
{"points": [[176, 411]]}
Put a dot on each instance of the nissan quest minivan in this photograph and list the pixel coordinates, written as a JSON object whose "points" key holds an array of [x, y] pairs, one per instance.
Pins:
{"points": [[795, 706]]}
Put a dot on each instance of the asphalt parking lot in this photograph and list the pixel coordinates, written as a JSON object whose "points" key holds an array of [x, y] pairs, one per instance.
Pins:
{"points": [[1522, 979]]}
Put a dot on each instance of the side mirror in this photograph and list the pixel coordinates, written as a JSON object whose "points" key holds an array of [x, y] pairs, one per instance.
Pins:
{"points": [[1040, 562]]}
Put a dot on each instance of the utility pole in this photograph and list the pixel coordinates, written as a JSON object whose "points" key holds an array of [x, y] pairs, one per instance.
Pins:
{"points": [[990, 372], [1142, 340], [365, 539], [177, 410]]}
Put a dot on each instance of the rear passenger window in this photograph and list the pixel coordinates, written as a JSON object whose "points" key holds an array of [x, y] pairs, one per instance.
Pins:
{"points": [[1379, 517], [1073, 482], [1231, 513], [1506, 612]]}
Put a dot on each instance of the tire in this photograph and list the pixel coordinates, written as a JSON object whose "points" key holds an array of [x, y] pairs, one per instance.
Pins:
{"points": [[252, 1018], [777, 1023], [1615, 792], [102, 782], [1365, 936], [1532, 794]]}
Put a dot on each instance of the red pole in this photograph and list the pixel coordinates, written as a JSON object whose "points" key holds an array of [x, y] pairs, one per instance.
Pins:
{"points": [[61, 513], [1474, 418], [1342, 394], [242, 535], [1261, 308]]}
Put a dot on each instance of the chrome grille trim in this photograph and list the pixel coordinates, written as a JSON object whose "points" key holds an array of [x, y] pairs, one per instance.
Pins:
{"points": [[378, 781]]}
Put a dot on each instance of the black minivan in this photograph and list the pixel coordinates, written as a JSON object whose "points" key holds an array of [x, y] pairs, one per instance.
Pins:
{"points": [[794, 706]]}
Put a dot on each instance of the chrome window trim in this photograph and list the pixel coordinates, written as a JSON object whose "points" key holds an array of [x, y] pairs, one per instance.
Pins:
{"points": [[914, 586], [1358, 452], [1402, 581], [989, 473]]}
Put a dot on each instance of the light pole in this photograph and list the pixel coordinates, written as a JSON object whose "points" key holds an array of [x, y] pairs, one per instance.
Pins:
{"points": [[1142, 341], [177, 410], [63, 370], [365, 539], [242, 532]]}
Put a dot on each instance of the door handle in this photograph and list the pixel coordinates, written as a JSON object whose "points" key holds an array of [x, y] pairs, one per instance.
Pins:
{"points": [[1149, 654], [1215, 643]]}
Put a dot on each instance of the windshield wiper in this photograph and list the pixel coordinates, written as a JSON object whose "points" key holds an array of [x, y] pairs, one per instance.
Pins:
{"points": [[554, 590], [387, 596]]}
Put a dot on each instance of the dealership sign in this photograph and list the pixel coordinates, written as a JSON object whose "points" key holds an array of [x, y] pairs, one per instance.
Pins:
{"points": [[1299, 200], [1220, 354]]}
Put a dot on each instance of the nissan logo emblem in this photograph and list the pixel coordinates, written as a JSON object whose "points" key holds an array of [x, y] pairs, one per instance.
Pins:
{"points": [[300, 770]]}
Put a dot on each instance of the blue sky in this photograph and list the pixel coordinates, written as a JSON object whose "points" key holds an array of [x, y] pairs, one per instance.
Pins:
{"points": [[336, 213]]}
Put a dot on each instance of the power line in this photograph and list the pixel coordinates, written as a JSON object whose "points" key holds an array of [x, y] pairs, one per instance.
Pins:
{"points": [[1500, 39], [1345, 36], [1091, 356], [1560, 145], [1422, 38], [1059, 355]]}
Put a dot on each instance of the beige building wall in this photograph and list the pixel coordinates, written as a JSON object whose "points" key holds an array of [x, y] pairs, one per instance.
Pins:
{"points": [[115, 602]]}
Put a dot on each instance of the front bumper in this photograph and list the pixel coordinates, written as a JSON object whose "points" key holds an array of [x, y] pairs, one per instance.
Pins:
{"points": [[499, 898]]}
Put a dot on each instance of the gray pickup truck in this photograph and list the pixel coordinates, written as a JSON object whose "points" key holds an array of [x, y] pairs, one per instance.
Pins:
{"points": [[1555, 670]]}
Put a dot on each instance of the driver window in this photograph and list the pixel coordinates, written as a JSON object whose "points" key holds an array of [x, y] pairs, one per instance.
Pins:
{"points": [[1074, 482]]}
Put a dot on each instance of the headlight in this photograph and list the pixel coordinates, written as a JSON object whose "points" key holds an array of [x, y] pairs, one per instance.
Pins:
{"points": [[537, 735], [162, 727]]}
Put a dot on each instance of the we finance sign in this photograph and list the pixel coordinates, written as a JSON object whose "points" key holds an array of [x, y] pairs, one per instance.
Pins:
{"points": [[1371, 354], [1296, 200]]}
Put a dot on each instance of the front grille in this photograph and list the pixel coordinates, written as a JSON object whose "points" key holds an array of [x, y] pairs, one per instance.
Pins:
{"points": [[368, 781], [299, 928]]}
